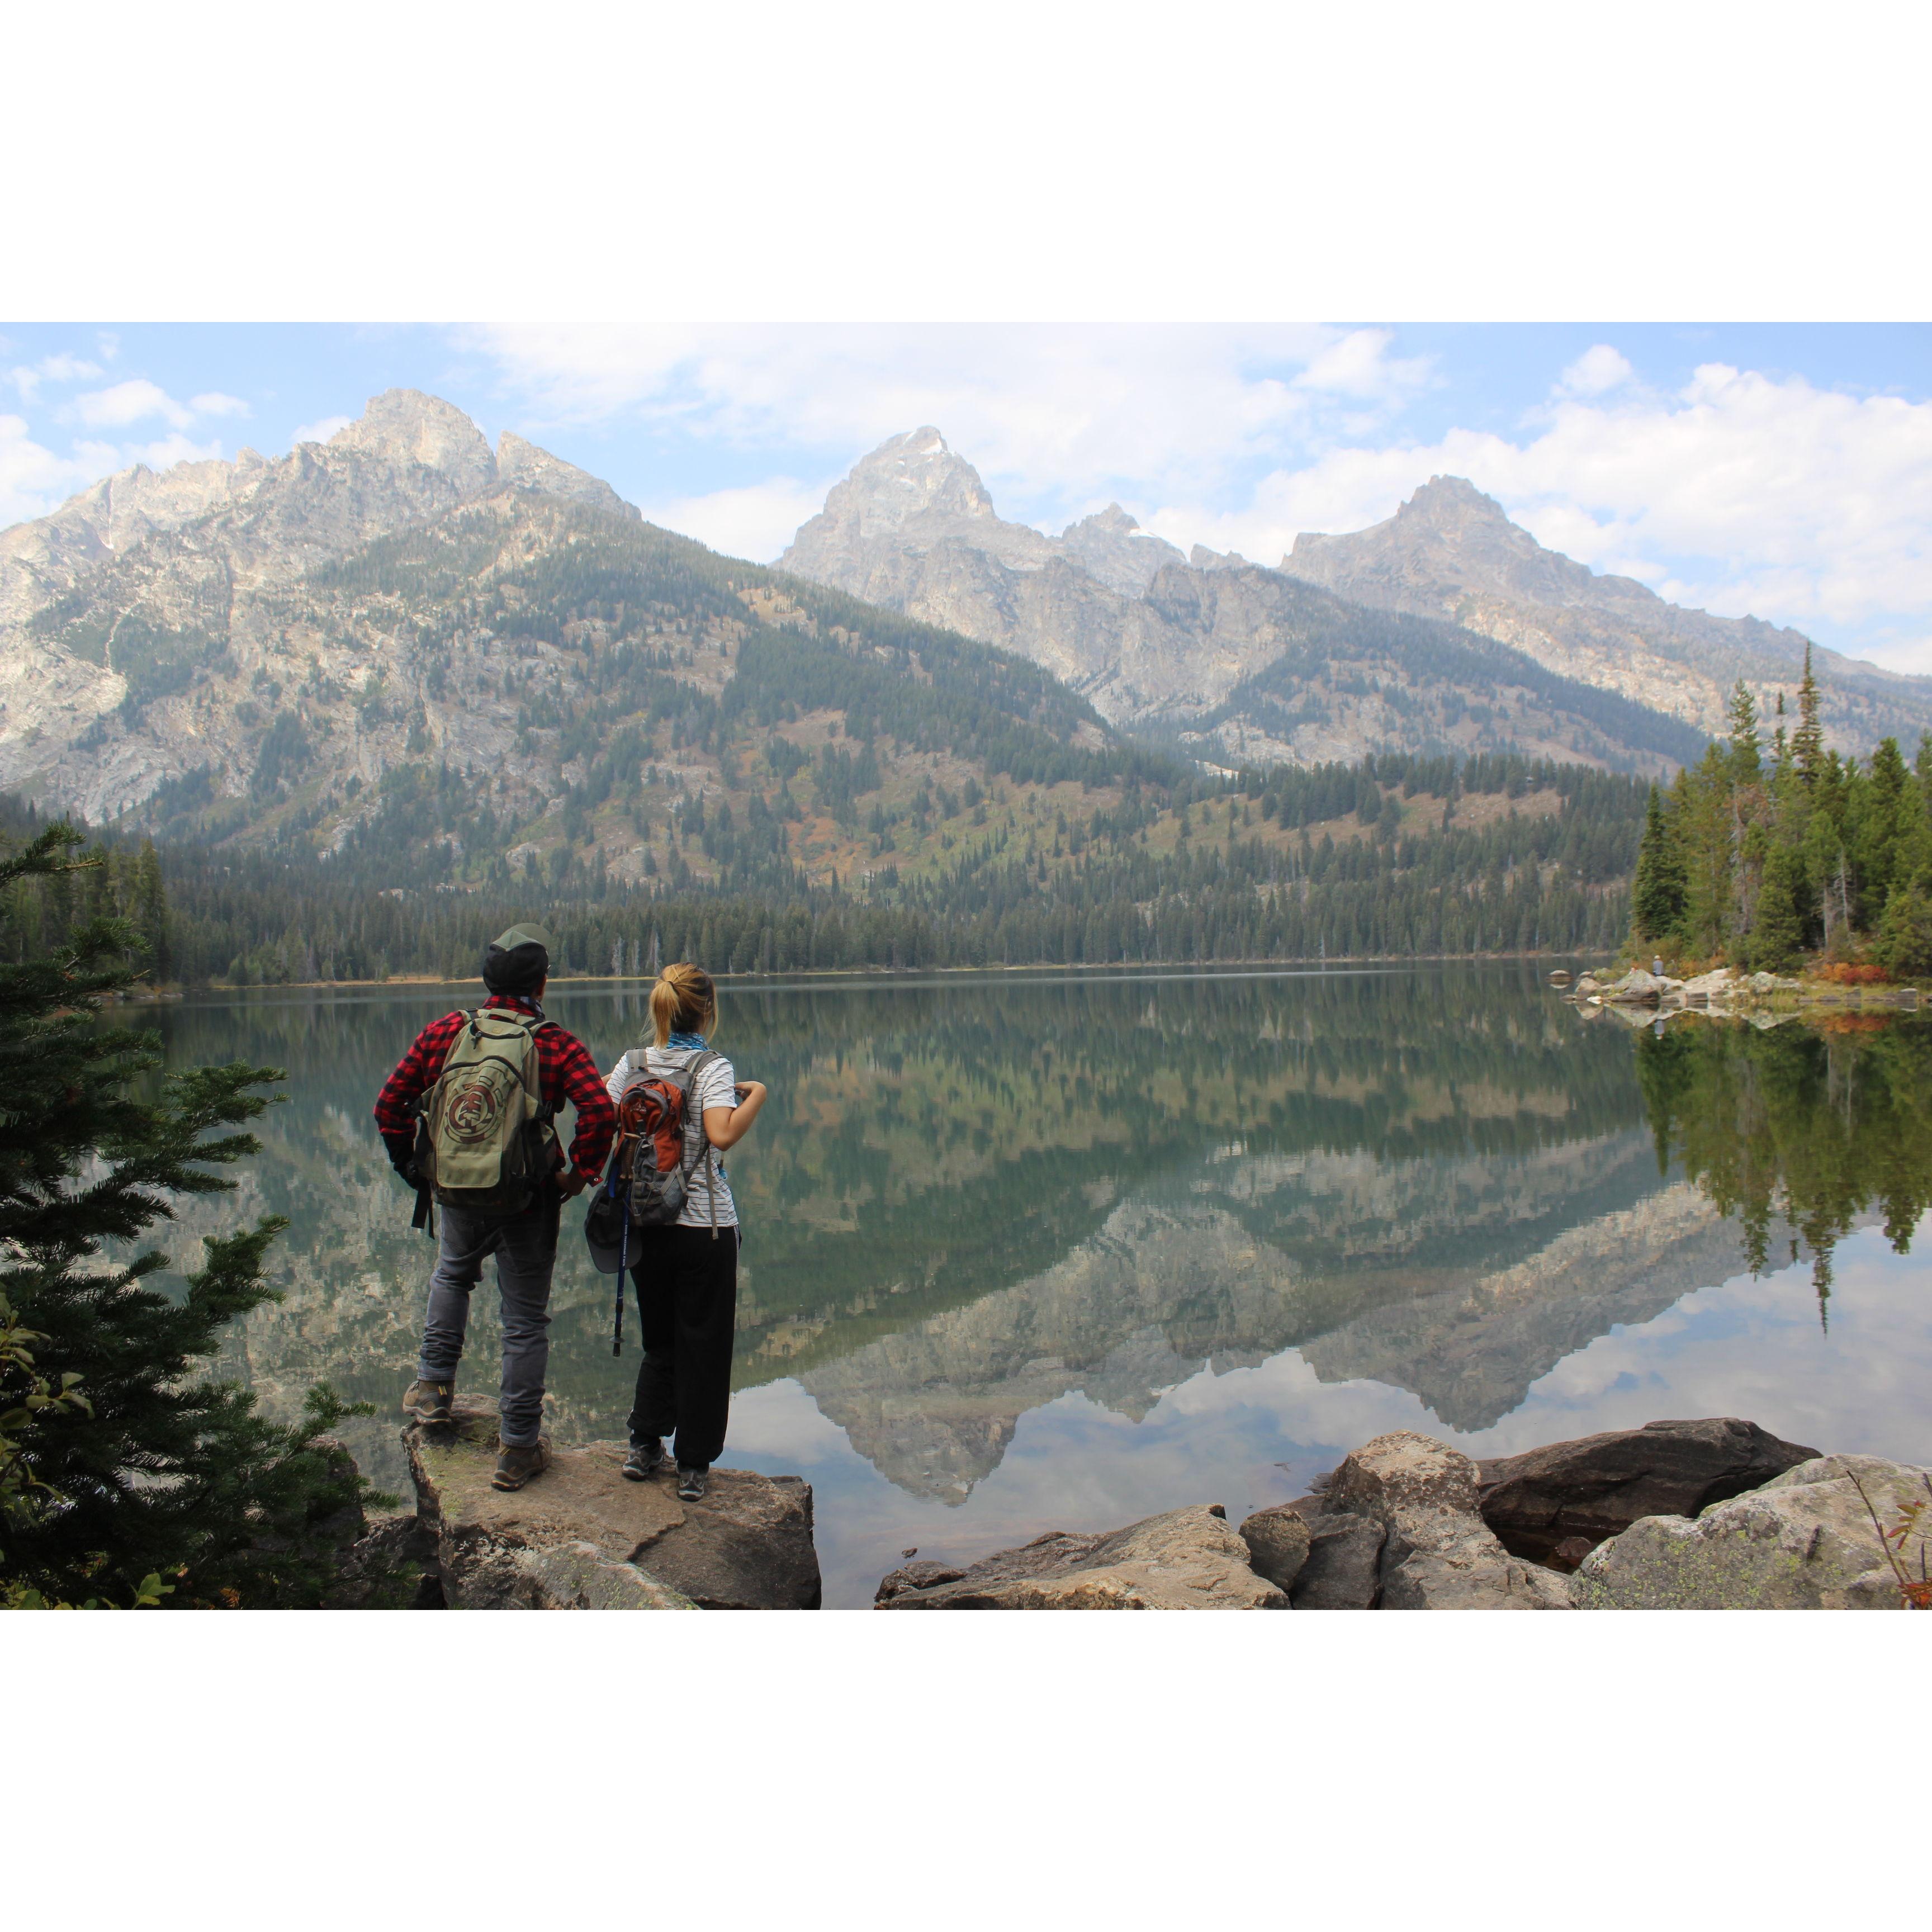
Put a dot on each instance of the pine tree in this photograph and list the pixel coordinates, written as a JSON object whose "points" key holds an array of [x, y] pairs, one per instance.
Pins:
{"points": [[144, 1472], [1657, 893], [1807, 741], [150, 912], [1777, 936], [1742, 718]]}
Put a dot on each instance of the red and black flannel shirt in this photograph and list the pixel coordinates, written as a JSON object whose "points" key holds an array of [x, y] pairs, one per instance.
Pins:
{"points": [[568, 1072]]}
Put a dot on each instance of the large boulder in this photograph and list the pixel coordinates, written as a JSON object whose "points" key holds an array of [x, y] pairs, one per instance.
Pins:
{"points": [[1598, 1486], [580, 1537], [1343, 1571], [1187, 1559], [1805, 1541], [1278, 1542], [1719, 985], [1639, 987], [1437, 1553]]}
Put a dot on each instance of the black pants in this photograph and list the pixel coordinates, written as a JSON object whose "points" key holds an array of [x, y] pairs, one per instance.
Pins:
{"points": [[687, 1286]]}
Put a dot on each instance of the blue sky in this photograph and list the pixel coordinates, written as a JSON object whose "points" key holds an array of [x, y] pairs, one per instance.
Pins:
{"points": [[1785, 470]]}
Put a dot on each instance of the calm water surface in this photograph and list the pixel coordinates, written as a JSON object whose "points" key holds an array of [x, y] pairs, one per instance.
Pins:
{"points": [[1023, 1255]]}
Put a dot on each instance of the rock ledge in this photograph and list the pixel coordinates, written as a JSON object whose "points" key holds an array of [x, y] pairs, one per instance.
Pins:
{"points": [[580, 1537]]}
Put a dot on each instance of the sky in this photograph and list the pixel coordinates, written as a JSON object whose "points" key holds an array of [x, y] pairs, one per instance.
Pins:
{"points": [[1781, 471]]}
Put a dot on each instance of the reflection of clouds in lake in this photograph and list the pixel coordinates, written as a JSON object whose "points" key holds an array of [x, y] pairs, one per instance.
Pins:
{"points": [[1753, 1348], [1744, 1348]]}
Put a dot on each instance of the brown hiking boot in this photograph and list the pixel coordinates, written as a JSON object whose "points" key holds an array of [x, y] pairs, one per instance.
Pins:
{"points": [[515, 1467], [429, 1402]]}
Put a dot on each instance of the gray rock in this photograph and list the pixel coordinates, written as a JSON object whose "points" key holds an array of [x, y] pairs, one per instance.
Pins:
{"points": [[1637, 987], [1278, 1544], [1186, 1559], [1437, 1553], [1343, 1568], [1716, 985], [1598, 1486], [580, 1537], [1804, 1541]]}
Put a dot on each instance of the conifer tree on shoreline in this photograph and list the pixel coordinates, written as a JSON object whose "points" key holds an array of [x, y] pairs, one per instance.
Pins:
{"points": [[1754, 863], [123, 1475]]}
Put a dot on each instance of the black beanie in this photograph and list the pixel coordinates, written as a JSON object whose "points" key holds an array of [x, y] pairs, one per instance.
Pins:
{"points": [[518, 960]]}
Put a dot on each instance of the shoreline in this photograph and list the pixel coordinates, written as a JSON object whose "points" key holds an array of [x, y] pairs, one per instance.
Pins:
{"points": [[1303, 967]]}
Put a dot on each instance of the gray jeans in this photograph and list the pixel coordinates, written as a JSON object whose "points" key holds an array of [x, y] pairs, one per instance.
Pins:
{"points": [[525, 1246]]}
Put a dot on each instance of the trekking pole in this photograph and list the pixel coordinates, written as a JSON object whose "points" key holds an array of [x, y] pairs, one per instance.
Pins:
{"points": [[617, 1318]]}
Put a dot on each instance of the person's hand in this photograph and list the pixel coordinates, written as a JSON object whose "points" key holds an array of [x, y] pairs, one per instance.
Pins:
{"points": [[572, 1183]]}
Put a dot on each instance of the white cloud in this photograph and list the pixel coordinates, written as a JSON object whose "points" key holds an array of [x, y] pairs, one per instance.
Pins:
{"points": [[33, 479], [320, 432], [756, 522], [1359, 366], [136, 399], [1595, 373], [1056, 410], [129, 402], [27, 378], [1740, 493]]}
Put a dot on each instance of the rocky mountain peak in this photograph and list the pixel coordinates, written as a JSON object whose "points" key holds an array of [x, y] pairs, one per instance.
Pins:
{"points": [[1448, 540], [406, 427], [1453, 502], [527, 467], [911, 478], [1113, 520], [1113, 549]]}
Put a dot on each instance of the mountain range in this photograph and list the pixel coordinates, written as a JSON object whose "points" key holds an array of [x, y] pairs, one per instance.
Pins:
{"points": [[402, 645], [430, 661], [1446, 629]]}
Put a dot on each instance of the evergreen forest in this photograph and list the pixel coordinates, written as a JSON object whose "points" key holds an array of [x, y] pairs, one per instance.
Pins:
{"points": [[1395, 856], [1763, 852]]}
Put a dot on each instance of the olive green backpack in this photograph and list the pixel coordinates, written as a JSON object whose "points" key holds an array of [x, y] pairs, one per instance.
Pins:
{"points": [[485, 1139]]}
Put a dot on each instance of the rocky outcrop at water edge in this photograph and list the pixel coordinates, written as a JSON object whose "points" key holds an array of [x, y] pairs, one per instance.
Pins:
{"points": [[1407, 1522], [1805, 1540], [580, 1537], [1186, 1559], [1541, 1504]]}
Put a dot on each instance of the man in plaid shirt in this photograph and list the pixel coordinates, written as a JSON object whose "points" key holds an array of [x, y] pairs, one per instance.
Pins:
{"points": [[515, 970]]}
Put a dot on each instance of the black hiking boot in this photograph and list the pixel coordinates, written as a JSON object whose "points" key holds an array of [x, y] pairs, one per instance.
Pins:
{"points": [[691, 1481], [429, 1402], [516, 1466], [645, 1459]]}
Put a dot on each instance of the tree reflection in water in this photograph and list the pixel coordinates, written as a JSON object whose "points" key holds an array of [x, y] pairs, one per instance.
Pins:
{"points": [[1814, 1122]]}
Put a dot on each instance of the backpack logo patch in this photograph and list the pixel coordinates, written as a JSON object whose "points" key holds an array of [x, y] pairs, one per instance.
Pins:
{"points": [[472, 1113]]}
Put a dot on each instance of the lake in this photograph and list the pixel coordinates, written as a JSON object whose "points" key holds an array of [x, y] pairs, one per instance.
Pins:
{"points": [[1042, 1252]]}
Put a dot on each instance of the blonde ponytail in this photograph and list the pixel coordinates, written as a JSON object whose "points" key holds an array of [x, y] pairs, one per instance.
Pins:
{"points": [[683, 1001]]}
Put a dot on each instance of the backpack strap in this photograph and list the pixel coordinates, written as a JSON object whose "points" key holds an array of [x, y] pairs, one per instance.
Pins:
{"points": [[696, 1067], [695, 1117]]}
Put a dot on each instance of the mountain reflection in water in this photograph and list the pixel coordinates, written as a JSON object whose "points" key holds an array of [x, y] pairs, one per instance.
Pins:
{"points": [[1188, 1237]]}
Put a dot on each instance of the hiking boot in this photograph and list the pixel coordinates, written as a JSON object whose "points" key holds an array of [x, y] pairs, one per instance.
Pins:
{"points": [[644, 1459], [516, 1466], [429, 1402], [690, 1482]]}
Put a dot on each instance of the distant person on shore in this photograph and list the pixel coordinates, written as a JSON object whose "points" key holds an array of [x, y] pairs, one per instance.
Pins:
{"points": [[686, 1271], [482, 1142]]}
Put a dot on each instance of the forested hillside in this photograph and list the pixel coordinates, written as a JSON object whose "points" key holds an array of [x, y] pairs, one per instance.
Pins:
{"points": [[1393, 857]]}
